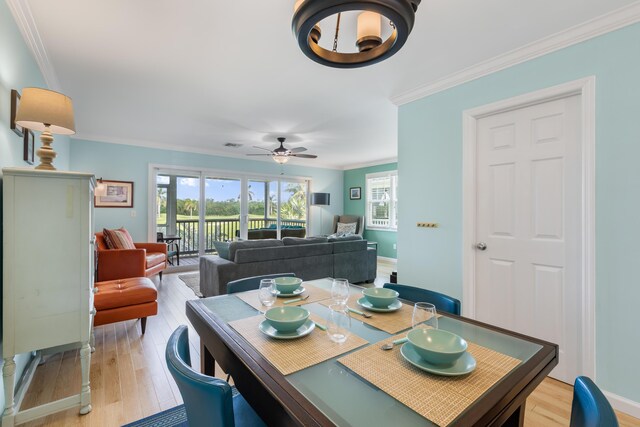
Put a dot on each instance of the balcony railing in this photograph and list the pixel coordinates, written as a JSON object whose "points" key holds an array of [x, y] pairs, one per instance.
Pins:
{"points": [[216, 230]]}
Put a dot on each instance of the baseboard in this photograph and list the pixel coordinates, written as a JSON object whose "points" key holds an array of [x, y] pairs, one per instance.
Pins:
{"points": [[384, 258], [623, 404]]}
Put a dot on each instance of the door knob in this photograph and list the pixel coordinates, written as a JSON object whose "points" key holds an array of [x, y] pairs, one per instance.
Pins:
{"points": [[481, 246]]}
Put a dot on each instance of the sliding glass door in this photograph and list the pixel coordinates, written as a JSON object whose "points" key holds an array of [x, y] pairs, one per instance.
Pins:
{"points": [[223, 201]]}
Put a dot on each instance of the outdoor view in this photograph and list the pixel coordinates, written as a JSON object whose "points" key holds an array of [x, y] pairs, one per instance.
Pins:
{"points": [[178, 208]]}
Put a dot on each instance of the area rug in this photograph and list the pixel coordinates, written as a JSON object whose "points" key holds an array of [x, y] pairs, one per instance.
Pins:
{"points": [[174, 417], [192, 280]]}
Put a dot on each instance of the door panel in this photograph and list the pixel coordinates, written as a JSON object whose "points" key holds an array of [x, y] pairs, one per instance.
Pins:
{"points": [[528, 214]]}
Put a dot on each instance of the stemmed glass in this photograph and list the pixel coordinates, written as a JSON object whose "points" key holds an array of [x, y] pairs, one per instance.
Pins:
{"points": [[424, 313], [267, 292], [338, 323], [340, 291]]}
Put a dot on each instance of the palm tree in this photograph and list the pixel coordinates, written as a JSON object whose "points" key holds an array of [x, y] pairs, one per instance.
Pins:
{"points": [[190, 205], [161, 199]]}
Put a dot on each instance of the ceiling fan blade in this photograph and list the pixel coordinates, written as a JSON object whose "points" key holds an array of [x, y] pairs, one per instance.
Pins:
{"points": [[261, 148], [298, 150], [304, 156], [253, 154]]}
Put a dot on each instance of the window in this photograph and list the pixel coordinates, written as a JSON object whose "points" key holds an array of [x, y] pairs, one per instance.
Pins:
{"points": [[382, 200]]}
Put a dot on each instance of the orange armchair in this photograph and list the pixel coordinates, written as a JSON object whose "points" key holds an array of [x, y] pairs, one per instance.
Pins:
{"points": [[146, 260]]}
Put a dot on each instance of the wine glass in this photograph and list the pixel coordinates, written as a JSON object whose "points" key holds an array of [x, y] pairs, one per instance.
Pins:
{"points": [[424, 313], [340, 291], [267, 292], [338, 323]]}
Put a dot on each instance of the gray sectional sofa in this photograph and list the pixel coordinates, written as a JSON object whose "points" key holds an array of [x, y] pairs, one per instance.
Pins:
{"points": [[309, 259]]}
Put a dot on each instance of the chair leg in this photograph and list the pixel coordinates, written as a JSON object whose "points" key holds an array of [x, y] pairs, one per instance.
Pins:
{"points": [[143, 324], [160, 276]]}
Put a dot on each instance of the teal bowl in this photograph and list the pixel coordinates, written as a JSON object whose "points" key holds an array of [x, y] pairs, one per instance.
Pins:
{"points": [[380, 297], [286, 319], [287, 285], [436, 346]]}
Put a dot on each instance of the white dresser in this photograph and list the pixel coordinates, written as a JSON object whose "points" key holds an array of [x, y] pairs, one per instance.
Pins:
{"points": [[48, 278]]}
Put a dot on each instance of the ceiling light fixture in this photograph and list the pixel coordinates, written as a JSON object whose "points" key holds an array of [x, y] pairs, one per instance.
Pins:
{"points": [[371, 48]]}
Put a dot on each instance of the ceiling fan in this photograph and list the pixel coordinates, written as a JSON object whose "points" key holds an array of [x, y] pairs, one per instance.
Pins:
{"points": [[281, 154]]}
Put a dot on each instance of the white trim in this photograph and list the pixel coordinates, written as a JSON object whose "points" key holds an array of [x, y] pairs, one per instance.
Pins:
{"points": [[24, 19], [623, 404], [370, 164], [612, 21], [586, 89]]}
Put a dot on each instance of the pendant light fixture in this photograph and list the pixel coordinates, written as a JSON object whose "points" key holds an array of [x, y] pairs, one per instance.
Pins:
{"points": [[371, 48]]}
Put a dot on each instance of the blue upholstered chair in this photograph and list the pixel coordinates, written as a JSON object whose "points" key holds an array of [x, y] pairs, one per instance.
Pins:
{"points": [[590, 408], [441, 301], [208, 401], [251, 283]]}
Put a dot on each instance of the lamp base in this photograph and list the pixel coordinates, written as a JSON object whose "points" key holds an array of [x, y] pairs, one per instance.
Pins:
{"points": [[46, 153]]}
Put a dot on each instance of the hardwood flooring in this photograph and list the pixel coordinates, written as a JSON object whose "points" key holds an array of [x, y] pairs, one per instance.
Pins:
{"points": [[129, 377]]}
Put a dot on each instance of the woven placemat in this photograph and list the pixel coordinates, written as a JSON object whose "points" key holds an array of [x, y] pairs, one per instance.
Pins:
{"points": [[437, 398], [315, 294], [391, 322], [289, 356]]}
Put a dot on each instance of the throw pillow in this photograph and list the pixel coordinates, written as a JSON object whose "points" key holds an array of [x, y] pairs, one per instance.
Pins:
{"points": [[118, 239], [223, 249], [346, 228]]}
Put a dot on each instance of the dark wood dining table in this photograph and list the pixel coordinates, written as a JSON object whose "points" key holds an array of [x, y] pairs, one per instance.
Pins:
{"points": [[329, 394]]}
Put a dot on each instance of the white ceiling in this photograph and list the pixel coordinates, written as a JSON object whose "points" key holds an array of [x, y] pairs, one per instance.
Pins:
{"points": [[197, 74]]}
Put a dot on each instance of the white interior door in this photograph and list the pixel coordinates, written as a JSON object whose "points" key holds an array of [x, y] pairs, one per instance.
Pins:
{"points": [[528, 225]]}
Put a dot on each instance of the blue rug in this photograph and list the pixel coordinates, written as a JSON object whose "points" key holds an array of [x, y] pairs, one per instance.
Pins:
{"points": [[174, 417]]}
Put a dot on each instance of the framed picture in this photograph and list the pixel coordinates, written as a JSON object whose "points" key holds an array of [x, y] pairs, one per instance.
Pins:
{"points": [[354, 193], [116, 194], [29, 143], [15, 101]]}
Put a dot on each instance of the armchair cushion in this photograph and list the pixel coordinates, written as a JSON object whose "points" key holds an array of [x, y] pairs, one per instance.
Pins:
{"points": [[118, 239], [346, 228], [154, 258]]}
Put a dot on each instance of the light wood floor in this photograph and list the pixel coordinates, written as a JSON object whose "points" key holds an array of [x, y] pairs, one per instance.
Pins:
{"points": [[129, 378]]}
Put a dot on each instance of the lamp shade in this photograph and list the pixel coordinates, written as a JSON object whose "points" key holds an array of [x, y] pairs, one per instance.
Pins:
{"points": [[320, 199], [41, 107]]}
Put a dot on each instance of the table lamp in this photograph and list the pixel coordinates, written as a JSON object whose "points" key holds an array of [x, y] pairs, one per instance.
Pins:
{"points": [[48, 112], [320, 199]]}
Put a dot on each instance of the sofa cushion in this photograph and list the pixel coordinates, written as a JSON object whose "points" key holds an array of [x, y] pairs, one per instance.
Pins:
{"points": [[302, 251], [245, 256], [336, 238], [118, 239], [349, 246], [121, 293], [252, 244], [223, 249], [154, 258], [294, 241]]}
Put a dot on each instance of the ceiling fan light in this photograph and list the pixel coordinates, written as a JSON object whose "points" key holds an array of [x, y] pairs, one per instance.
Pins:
{"points": [[281, 159], [368, 31]]}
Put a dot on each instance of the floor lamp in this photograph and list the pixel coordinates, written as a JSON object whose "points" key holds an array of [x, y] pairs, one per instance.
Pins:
{"points": [[320, 199]]}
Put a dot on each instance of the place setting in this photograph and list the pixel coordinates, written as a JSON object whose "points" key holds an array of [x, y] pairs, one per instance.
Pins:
{"points": [[284, 291]]}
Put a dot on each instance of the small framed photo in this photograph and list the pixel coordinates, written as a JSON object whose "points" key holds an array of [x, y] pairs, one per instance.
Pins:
{"points": [[29, 146], [354, 193], [15, 101], [114, 194]]}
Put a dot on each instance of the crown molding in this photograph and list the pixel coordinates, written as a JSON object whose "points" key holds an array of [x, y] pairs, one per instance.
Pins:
{"points": [[185, 149], [24, 19], [612, 21], [369, 164]]}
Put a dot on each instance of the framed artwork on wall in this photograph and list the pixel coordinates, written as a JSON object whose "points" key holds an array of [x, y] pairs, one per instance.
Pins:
{"points": [[114, 194], [15, 101], [29, 144], [354, 193]]}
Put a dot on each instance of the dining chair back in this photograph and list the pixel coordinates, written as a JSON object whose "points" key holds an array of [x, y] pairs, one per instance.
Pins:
{"points": [[251, 283], [441, 301], [590, 408], [208, 401]]}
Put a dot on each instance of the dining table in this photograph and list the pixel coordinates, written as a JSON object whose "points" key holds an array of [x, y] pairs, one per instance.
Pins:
{"points": [[357, 383]]}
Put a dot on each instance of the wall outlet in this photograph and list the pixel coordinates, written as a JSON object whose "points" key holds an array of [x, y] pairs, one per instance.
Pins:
{"points": [[133, 214], [395, 246]]}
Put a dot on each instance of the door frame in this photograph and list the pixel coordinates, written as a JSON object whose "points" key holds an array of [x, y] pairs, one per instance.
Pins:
{"points": [[585, 88]]}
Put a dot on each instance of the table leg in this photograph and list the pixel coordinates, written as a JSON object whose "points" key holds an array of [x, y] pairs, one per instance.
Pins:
{"points": [[517, 418], [207, 362]]}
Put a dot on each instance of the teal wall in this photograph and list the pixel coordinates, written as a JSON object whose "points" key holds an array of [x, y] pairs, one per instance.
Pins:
{"points": [[17, 70], [131, 163], [430, 152], [357, 178]]}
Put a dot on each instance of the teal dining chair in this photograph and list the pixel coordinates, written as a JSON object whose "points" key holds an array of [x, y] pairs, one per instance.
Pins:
{"points": [[208, 401], [441, 301], [590, 408], [251, 283]]}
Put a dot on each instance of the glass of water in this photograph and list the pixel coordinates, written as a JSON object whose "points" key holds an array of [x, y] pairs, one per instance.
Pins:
{"points": [[424, 313], [338, 323], [267, 292], [340, 291]]}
